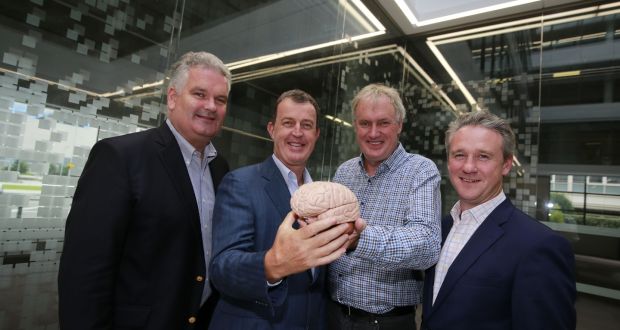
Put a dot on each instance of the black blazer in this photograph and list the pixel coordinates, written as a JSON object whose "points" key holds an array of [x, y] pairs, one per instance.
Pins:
{"points": [[133, 255]]}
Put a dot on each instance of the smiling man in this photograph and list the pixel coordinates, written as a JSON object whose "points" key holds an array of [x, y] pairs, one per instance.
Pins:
{"points": [[499, 268], [138, 236], [379, 284], [267, 271]]}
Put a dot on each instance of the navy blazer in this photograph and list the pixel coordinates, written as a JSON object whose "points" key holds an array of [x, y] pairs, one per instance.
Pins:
{"points": [[133, 247], [250, 206], [514, 273]]}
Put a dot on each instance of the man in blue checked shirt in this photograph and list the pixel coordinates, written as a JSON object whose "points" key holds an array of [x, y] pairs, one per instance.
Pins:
{"points": [[378, 284]]}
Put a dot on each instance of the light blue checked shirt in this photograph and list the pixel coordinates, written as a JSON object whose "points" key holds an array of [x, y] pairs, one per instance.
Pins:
{"points": [[402, 206]]}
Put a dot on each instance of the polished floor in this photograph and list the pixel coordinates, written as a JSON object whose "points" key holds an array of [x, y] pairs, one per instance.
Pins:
{"points": [[597, 313]]}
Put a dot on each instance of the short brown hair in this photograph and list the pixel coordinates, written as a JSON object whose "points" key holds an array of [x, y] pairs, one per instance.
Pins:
{"points": [[487, 120], [298, 96]]}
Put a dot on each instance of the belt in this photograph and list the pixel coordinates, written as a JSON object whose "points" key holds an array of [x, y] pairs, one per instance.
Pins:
{"points": [[354, 312]]}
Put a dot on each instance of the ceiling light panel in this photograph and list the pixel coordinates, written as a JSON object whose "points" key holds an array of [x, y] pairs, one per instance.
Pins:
{"points": [[428, 12]]}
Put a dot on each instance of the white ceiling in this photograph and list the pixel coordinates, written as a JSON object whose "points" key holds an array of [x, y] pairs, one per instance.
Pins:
{"points": [[431, 9]]}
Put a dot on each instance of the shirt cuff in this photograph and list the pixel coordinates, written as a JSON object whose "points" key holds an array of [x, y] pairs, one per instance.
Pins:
{"points": [[271, 285]]}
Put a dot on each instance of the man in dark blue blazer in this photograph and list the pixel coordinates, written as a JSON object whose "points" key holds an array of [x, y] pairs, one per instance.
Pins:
{"points": [[137, 239], [267, 271], [499, 268]]}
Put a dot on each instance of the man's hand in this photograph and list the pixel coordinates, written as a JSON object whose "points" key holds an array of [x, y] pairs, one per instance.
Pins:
{"points": [[354, 230], [359, 226], [296, 250]]}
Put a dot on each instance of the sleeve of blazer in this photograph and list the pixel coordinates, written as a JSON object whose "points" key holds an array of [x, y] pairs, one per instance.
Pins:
{"points": [[544, 288], [94, 236], [237, 269]]}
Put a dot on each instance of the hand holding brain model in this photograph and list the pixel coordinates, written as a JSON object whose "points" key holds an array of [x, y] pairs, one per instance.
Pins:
{"points": [[320, 199]]}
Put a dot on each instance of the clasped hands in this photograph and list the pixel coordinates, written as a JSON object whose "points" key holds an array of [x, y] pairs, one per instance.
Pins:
{"points": [[314, 244]]}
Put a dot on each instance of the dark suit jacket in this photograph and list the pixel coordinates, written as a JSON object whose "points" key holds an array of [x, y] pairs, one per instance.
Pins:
{"points": [[133, 247], [514, 273], [250, 205]]}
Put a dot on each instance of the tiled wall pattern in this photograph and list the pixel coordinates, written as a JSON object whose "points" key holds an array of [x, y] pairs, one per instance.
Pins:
{"points": [[71, 73]]}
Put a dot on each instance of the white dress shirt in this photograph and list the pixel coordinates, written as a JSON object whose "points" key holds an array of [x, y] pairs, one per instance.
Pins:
{"points": [[465, 225]]}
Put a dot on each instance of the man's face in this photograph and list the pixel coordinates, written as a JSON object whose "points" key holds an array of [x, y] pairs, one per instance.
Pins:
{"points": [[476, 165], [197, 110], [377, 129], [294, 132]]}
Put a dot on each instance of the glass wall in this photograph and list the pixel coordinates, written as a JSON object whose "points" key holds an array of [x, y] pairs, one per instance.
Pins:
{"points": [[76, 71]]}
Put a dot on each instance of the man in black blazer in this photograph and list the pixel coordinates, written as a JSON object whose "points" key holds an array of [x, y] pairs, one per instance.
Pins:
{"points": [[138, 236], [499, 268]]}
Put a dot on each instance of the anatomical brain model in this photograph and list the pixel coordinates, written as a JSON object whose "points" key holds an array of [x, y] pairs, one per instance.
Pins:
{"points": [[322, 199]]}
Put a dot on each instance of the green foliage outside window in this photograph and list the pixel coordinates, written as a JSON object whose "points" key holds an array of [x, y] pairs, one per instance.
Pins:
{"points": [[22, 167]]}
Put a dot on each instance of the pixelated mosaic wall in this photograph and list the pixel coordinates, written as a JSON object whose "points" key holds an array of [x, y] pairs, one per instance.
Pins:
{"points": [[71, 73]]}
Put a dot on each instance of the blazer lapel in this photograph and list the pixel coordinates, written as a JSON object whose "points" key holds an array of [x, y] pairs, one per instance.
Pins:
{"points": [[218, 168], [172, 159], [276, 187], [484, 237], [277, 191]]}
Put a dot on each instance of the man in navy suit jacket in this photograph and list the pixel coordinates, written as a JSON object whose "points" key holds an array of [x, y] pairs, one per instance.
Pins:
{"points": [[499, 268], [267, 271], [136, 241]]}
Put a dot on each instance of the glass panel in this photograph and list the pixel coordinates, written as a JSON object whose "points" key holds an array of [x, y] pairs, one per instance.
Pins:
{"points": [[578, 126], [71, 73]]}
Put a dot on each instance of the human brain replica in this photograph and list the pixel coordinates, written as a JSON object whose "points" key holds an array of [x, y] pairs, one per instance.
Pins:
{"points": [[323, 199]]}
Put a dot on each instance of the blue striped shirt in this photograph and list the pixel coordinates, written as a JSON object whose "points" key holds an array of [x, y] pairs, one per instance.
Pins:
{"points": [[197, 167], [402, 205]]}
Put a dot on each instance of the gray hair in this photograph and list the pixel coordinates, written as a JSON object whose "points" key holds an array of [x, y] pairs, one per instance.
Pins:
{"points": [[487, 120], [179, 70], [373, 91]]}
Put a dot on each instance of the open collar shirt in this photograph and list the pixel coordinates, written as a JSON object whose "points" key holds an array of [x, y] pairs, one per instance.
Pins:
{"points": [[197, 163], [464, 226], [402, 205], [289, 177]]}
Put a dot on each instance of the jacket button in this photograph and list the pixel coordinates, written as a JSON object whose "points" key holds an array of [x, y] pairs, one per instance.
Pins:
{"points": [[199, 278], [191, 320]]}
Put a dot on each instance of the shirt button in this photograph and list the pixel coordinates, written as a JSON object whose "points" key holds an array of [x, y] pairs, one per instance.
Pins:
{"points": [[199, 278], [191, 320]]}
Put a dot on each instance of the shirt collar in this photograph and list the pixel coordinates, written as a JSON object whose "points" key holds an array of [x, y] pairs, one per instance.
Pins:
{"points": [[187, 149], [480, 212], [394, 158], [287, 174]]}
